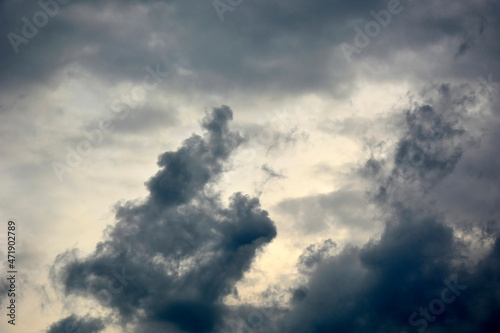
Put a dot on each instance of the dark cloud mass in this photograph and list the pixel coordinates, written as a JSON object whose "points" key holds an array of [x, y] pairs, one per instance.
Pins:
{"points": [[405, 238], [75, 324], [423, 273], [278, 46], [170, 260], [179, 253]]}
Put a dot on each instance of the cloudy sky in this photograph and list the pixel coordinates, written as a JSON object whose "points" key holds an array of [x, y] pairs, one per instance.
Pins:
{"points": [[251, 166]]}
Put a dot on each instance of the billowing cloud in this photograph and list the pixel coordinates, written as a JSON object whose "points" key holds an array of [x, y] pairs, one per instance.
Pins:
{"points": [[291, 46], [425, 272], [171, 259], [385, 180]]}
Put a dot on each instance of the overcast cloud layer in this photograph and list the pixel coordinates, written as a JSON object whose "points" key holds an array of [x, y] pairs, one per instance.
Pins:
{"points": [[321, 166]]}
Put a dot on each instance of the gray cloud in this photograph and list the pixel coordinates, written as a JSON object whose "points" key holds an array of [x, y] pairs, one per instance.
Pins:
{"points": [[179, 252], [289, 46], [397, 282], [315, 254], [172, 258], [340, 208], [146, 119], [74, 323]]}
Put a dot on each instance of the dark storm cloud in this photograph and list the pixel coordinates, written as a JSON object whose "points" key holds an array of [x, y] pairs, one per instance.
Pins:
{"points": [[261, 45], [74, 324], [427, 271], [397, 284], [428, 148], [447, 140], [471, 192], [378, 286], [171, 259], [431, 142]]}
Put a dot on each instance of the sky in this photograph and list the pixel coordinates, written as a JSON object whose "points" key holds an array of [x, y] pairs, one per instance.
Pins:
{"points": [[236, 166]]}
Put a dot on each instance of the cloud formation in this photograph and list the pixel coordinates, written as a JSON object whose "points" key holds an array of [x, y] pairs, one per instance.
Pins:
{"points": [[403, 215], [171, 259], [291, 47], [424, 272]]}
